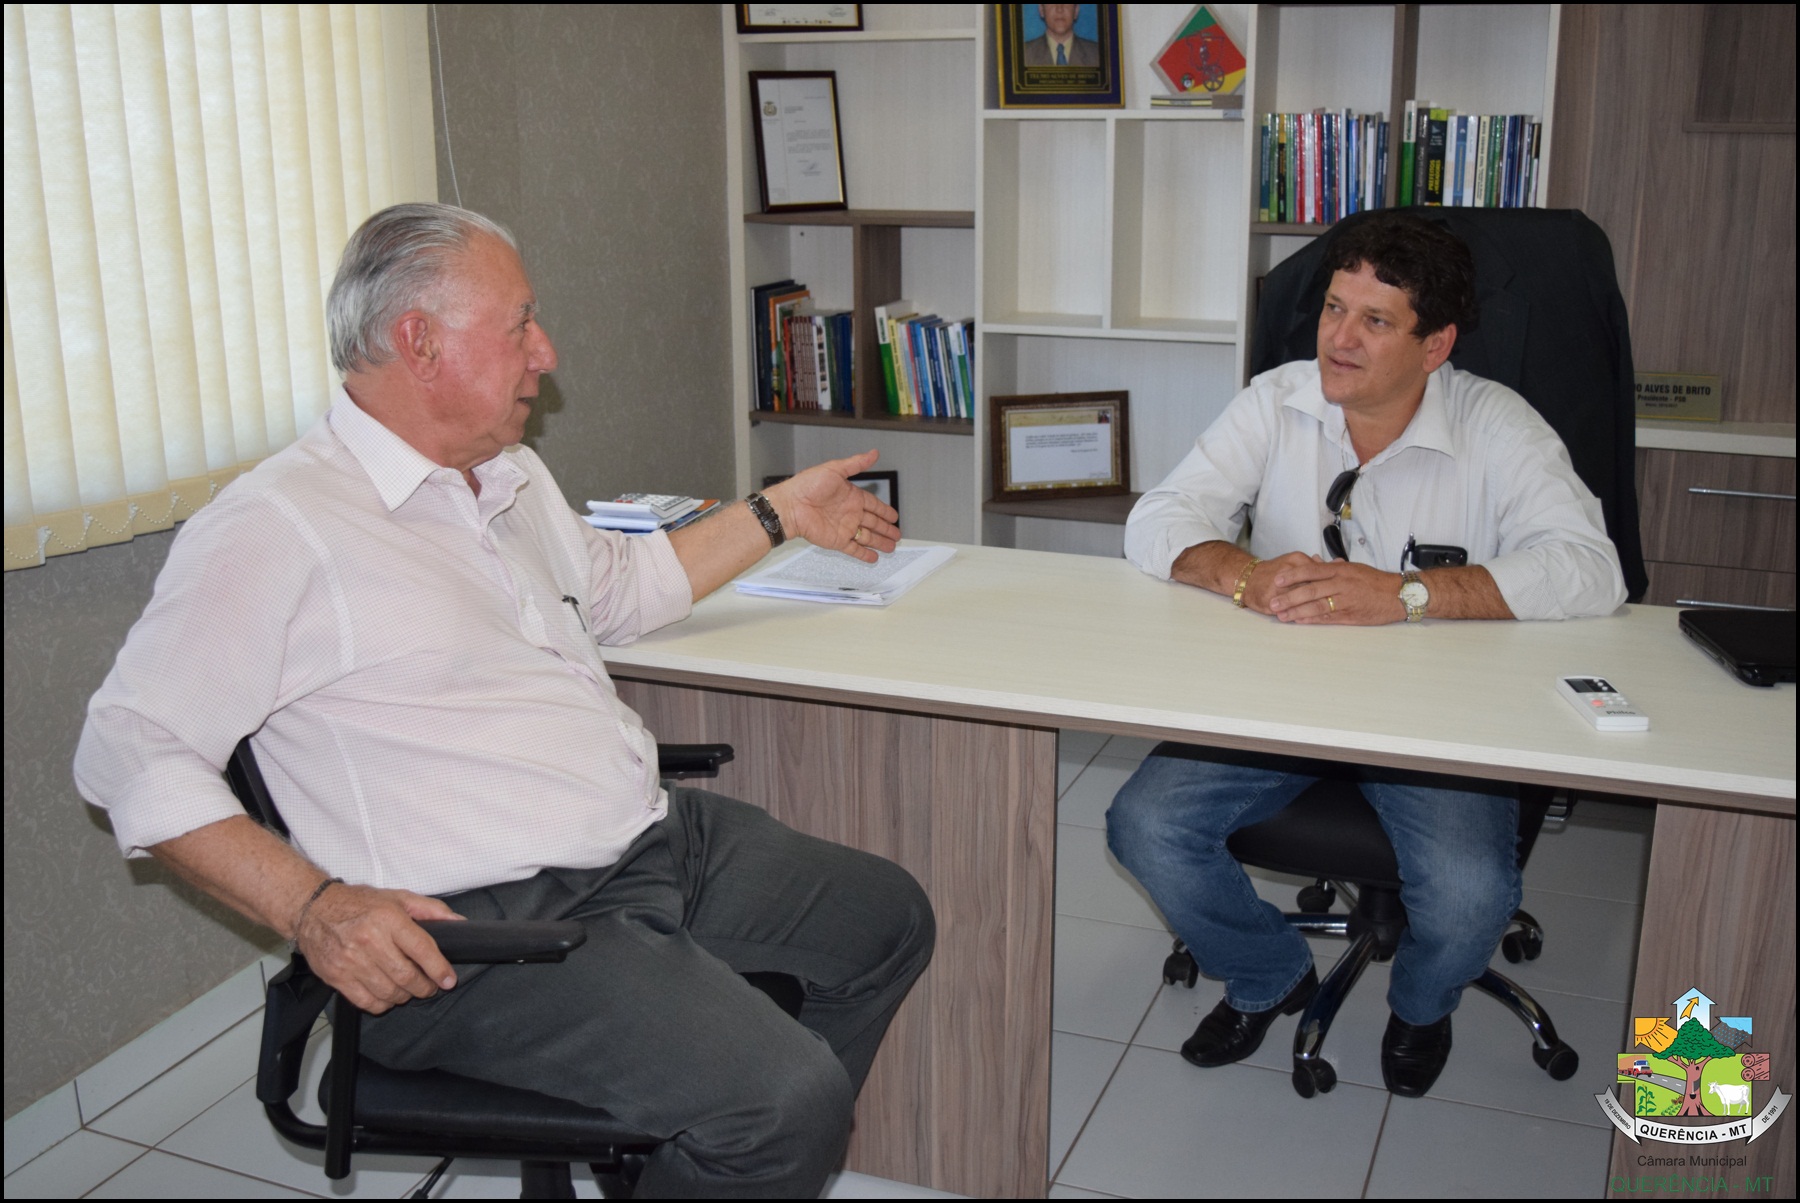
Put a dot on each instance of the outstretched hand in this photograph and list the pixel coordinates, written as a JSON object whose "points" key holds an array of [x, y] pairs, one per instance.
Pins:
{"points": [[821, 506]]}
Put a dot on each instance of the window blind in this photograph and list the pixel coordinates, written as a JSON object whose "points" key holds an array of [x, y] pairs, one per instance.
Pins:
{"points": [[180, 180]]}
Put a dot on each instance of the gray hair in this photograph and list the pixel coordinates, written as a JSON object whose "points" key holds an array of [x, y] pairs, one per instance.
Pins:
{"points": [[391, 264]]}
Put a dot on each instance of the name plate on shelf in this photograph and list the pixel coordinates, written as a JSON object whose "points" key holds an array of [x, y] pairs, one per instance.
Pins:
{"points": [[1678, 396]]}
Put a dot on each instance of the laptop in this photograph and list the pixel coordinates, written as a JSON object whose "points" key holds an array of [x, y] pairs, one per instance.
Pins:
{"points": [[1755, 646]]}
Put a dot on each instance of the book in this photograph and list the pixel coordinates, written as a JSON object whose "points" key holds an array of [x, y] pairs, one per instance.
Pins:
{"points": [[816, 574], [1408, 130], [764, 397], [1435, 121], [884, 345], [781, 306]]}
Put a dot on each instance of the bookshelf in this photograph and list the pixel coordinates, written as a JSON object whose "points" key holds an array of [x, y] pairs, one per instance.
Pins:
{"points": [[1097, 249]]}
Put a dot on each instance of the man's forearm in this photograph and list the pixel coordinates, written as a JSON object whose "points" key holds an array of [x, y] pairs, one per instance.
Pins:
{"points": [[1463, 593], [1214, 565], [246, 868]]}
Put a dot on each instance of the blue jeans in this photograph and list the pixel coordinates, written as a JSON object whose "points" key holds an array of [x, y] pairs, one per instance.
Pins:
{"points": [[1455, 841]]}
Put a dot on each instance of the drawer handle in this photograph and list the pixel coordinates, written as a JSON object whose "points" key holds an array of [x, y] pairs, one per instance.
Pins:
{"points": [[1713, 605], [1740, 493]]}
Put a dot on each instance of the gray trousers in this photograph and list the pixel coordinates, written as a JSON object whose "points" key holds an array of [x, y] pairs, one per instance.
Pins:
{"points": [[649, 1018]]}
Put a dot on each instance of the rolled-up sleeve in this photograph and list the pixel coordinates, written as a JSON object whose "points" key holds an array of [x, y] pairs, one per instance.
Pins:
{"points": [[1554, 560], [1209, 494], [638, 585]]}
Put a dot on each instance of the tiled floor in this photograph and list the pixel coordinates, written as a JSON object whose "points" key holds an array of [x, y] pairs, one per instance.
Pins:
{"points": [[1129, 1118]]}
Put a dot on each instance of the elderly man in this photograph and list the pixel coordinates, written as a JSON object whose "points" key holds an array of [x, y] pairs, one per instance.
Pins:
{"points": [[1465, 506], [405, 610]]}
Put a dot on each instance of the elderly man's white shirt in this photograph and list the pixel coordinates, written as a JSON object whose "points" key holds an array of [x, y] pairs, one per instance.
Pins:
{"points": [[1477, 468], [433, 714]]}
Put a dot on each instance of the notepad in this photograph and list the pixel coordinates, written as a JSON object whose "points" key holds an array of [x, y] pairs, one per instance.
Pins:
{"points": [[818, 575]]}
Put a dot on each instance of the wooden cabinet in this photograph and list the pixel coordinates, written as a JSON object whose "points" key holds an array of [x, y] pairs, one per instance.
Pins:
{"points": [[1717, 529]]}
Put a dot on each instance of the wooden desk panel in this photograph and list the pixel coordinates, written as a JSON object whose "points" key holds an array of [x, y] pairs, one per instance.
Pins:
{"points": [[959, 1095]]}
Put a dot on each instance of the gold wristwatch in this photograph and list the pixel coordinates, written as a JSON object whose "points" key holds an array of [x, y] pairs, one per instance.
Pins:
{"points": [[1414, 596]]}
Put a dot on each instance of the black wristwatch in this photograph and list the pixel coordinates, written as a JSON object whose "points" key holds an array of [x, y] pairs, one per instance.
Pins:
{"points": [[765, 514]]}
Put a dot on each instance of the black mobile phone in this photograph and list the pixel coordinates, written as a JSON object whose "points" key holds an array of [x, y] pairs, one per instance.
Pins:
{"points": [[1438, 555]]}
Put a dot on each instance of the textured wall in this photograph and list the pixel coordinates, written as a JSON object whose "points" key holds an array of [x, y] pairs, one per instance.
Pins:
{"points": [[97, 950], [594, 133]]}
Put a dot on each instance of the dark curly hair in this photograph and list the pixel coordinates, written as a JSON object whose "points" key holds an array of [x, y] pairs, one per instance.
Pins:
{"points": [[1423, 259]]}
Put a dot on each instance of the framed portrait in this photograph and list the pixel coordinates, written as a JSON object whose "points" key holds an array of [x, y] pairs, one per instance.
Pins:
{"points": [[799, 143], [1058, 55], [798, 18], [1060, 445]]}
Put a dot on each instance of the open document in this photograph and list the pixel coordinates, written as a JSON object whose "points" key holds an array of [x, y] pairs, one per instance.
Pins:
{"points": [[818, 575]]}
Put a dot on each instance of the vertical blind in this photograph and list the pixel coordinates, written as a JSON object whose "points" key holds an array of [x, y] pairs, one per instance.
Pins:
{"points": [[179, 182]]}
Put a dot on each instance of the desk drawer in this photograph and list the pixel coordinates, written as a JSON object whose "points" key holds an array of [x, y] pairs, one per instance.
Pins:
{"points": [[1687, 584], [1748, 522]]}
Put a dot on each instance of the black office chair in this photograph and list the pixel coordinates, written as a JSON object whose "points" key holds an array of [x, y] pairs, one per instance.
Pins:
{"points": [[372, 1109], [1552, 326], [1331, 833]]}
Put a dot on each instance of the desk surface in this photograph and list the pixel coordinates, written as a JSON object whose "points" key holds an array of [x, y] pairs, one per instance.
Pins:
{"points": [[1078, 641]]}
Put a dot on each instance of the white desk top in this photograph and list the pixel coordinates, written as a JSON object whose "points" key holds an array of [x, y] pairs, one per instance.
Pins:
{"points": [[1077, 641]]}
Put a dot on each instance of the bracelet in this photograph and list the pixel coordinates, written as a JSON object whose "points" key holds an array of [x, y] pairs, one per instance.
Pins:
{"points": [[1243, 583], [764, 509], [307, 906]]}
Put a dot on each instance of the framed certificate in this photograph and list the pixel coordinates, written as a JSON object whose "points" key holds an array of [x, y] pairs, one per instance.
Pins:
{"points": [[797, 18], [799, 144], [1060, 445]]}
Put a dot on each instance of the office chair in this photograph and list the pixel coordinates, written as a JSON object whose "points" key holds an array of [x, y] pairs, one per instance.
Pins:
{"points": [[1552, 326], [1330, 833], [370, 1108]]}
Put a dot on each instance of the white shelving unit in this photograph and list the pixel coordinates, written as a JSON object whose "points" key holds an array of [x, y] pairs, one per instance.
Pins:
{"points": [[1109, 249]]}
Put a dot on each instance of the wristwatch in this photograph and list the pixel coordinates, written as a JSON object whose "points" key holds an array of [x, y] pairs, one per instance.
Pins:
{"points": [[765, 514], [1414, 596]]}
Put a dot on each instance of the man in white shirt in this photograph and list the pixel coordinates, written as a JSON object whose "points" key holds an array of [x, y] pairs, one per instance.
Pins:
{"points": [[1381, 485], [404, 610]]}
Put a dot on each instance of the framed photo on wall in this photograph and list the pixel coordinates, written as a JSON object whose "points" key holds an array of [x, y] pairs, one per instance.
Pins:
{"points": [[799, 144], [1058, 55], [1060, 445]]}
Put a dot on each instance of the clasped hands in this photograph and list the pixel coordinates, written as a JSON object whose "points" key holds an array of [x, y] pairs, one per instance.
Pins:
{"points": [[821, 506], [1306, 589]]}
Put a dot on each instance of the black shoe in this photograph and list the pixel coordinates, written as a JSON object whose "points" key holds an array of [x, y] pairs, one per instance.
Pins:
{"points": [[1413, 1057], [1228, 1034]]}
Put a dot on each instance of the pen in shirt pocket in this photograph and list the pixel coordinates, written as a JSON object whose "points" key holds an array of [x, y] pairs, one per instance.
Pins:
{"points": [[576, 606]]}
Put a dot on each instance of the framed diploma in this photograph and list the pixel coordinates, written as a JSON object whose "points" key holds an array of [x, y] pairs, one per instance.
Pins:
{"points": [[799, 144], [797, 18], [1060, 445]]}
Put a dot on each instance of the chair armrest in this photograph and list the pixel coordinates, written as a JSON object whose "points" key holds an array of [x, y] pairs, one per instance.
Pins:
{"points": [[504, 941], [680, 761]]}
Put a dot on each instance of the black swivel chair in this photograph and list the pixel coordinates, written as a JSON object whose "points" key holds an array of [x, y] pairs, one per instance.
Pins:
{"points": [[1552, 326], [372, 1109]]}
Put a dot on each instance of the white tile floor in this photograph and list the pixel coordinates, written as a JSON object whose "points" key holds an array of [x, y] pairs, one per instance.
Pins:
{"points": [[1128, 1117]]}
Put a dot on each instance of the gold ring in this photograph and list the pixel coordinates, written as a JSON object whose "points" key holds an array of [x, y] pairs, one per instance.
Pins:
{"points": [[857, 537], [1330, 605]]}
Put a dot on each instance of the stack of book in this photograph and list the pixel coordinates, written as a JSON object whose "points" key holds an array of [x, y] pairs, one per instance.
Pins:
{"points": [[927, 363], [1320, 166], [1480, 160], [805, 357]]}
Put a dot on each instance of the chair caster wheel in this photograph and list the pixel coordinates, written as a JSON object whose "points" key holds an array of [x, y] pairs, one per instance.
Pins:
{"points": [[1559, 1060], [1314, 1077], [1518, 947], [1317, 899], [1181, 967]]}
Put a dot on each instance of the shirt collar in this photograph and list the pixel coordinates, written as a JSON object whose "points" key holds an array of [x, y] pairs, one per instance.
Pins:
{"points": [[396, 467], [1429, 428]]}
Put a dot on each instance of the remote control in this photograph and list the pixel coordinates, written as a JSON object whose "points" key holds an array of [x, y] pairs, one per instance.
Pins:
{"points": [[1605, 708]]}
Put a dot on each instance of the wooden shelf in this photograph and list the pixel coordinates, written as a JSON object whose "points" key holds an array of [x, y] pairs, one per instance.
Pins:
{"points": [[954, 219], [1287, 227], [1109, 510], [851, 421]]}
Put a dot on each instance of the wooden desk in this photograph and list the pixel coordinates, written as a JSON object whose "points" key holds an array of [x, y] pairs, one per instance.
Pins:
{"points": [[927, 732]]}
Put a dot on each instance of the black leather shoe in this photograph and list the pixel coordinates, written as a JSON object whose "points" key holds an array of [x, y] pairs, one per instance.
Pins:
{"points": [[1228, 1034], [1413, 1057]]}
